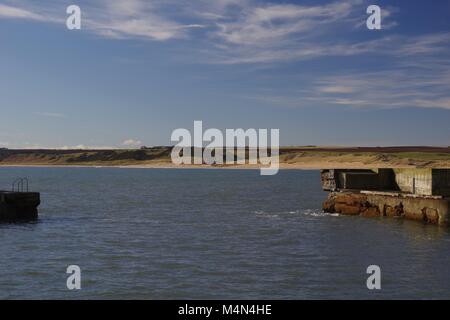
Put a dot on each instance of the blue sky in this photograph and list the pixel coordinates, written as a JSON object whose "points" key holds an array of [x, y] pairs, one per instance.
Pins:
{"points": [[139, 69]]}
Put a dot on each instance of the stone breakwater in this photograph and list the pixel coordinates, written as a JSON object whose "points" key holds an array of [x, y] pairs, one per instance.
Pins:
{"points": [[415, 194], [372, 204]]}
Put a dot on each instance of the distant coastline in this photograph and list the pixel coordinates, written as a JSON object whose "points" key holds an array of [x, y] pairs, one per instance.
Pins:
{"points": [[310, 157]]}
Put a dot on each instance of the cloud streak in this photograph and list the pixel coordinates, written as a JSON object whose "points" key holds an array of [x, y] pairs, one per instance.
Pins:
{"points": [[276, 24], [418, 87], [235, 32], [109, 18], [11, 12], [134, 18], [132, 143]]}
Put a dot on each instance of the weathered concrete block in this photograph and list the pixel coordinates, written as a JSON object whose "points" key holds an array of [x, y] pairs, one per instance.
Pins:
{"points": [[18, 206], [433, 210], [350, 199]]}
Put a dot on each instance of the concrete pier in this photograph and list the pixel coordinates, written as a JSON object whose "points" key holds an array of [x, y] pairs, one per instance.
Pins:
{"points": [[414, 194], [18, 206]]}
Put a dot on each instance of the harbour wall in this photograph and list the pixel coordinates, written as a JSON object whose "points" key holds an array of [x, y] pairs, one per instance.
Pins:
{"points": [[432, 210], [415, 194]]}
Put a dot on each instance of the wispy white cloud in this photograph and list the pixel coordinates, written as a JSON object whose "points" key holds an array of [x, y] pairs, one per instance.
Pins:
{"points": [[424, 86], [109, 18], [132, 143], [336, 89], [423, 44], [235, 31], [249, 31], [28, 11], [134, 18], [275, 24], [7, 11]]}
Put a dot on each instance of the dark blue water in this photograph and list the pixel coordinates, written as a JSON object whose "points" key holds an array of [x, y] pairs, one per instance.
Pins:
{"points": [[169, 234]]}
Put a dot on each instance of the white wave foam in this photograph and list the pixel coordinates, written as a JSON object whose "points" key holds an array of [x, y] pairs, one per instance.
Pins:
{"points": [[306, 212]]}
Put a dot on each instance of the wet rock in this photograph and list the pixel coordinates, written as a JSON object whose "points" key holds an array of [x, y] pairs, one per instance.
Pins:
{"points": [[371, 212], [343, 208], [430, 215], [328, 206], [396, 211]]}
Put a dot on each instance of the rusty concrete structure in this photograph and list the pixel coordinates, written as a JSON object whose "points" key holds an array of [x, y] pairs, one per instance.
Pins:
{"points": [[415, 194]]}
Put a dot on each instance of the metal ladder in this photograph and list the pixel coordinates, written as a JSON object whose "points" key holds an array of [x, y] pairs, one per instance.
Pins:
{"points": [[20, 185]]}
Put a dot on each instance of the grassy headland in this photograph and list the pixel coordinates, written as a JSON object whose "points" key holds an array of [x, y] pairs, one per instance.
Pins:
{"points": [[290, 157]]}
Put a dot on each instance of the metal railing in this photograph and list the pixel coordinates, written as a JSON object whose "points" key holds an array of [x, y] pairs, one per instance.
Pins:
{"points": [[20, 185]]}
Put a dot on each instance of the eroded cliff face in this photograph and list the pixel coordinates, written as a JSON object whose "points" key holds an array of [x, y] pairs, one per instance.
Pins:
{"points": [[429, 210]]}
